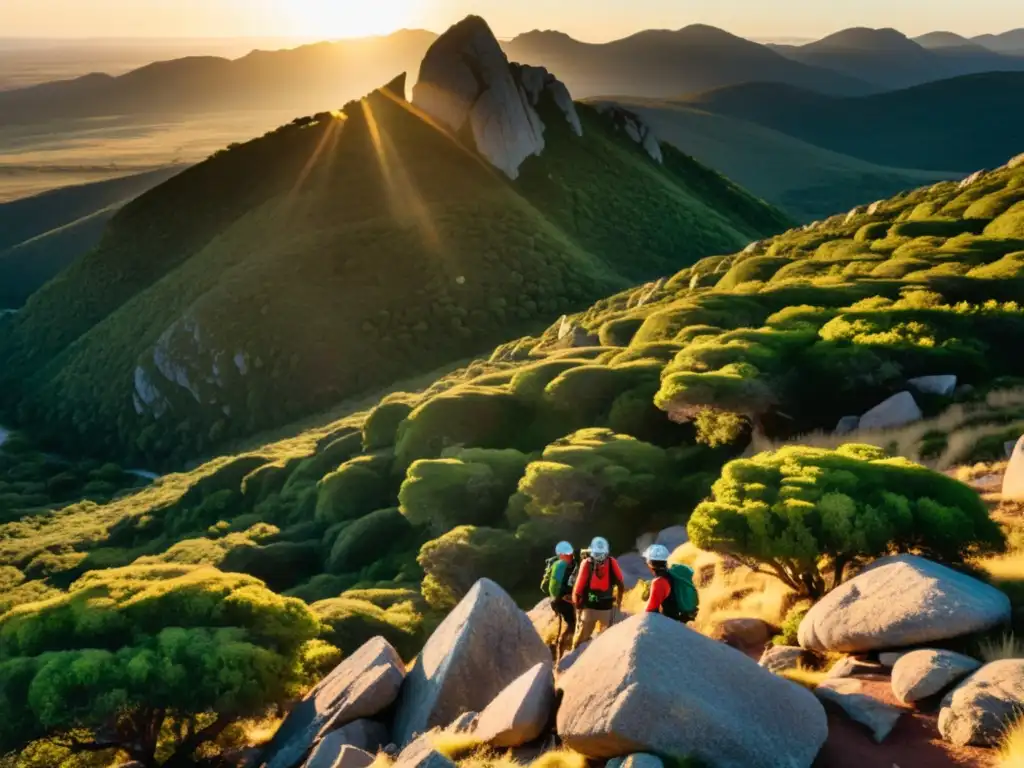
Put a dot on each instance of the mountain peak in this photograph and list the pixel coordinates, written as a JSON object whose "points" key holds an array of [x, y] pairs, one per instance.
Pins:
{"points": [[467, 84], [944, 39], [866, 38]]}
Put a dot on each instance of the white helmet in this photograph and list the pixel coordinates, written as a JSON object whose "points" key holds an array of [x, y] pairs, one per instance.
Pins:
{"points": [[656, 553], [564, 548], [599, 548]]}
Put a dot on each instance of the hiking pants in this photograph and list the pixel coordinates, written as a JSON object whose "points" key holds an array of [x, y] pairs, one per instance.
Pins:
{"points": [[589, 618], [567, 612]]}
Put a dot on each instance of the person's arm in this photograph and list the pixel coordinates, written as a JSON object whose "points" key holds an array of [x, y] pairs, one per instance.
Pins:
{"points": [[618, 581], [557, 577], [581, 583], [659, 592]]}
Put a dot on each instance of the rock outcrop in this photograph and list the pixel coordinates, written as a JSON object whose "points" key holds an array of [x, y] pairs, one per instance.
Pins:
{"points": [[629, 693], [779, 658], [935, 385], [919, 675], [898, 602], [1013, 479], [879, 717], [519, 714], [422, 754], [635, 128], [634, 569], [899, 410], [467, 84], [333, 753], [364, 684], [979, 709], [483, 645]]}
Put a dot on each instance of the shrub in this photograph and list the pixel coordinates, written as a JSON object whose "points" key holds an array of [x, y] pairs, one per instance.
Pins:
{"points": [[280, 565], [364, 541], [454, 562], [472, 489], [381, 426], [755, 268], [585, 394], [128, 649], [619, 332], [529, 382], [467, 416], [929, 227], [873, 231], [806, 514], [1009, 225], [351, 491], [351, 622]]}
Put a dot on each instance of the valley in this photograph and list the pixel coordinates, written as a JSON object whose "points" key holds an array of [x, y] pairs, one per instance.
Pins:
{"points": [[310, 357]]}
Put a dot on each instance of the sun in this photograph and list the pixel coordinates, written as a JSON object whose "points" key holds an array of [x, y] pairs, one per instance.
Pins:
{"points": [[352, 18]]}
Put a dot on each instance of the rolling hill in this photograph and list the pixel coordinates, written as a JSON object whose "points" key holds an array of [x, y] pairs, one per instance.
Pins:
{"points": [[41, 235], [890, 60], [346, 250], [959, 124], [1010, 43], [667, 63], [806, 181]]}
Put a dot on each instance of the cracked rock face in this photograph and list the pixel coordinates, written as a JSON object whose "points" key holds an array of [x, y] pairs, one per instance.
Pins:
{"points": [[636, 129], [467, 85]]}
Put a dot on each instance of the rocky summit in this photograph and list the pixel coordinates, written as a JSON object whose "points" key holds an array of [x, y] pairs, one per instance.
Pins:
{"points": [[467, 84]]}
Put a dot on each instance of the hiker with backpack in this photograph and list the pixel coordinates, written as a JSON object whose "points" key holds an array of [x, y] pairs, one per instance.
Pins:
{"points": [[672, 592], [557, 584], [598, 591]]}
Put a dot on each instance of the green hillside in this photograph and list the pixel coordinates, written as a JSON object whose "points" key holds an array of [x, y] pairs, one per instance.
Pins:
{"points": [[42, 234], [380, 519], [332, 257], [806, 181], [960, 124]]}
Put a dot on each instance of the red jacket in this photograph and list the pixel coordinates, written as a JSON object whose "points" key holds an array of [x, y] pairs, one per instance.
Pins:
{"points": [[601, 583], [661, 588]]}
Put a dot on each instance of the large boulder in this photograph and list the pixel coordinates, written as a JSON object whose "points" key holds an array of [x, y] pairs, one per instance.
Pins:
{"points": [[935, 385], [544, 620], [422, 754], [467, 85], [898, 602], [919, 675], [334, 753], [484, 644], [744, 634], [779, 658], [673, 537], [520, 712], [1013, 480], [897, 411], [879, 717], [364, 684], [651, 684], [634, 569], [979, 709]]}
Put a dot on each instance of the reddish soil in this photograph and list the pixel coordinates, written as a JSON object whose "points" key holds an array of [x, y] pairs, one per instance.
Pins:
{"points": [[914, 742]]}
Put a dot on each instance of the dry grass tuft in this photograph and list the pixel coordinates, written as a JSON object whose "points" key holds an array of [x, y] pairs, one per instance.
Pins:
{"points": [[560, 758], [1011, 748], [455, 746], [1006, 646], [801, 675]]}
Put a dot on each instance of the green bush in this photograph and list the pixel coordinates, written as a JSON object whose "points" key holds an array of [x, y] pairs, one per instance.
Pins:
{"points": [[873, 231], [366, 540], [381, 426], [349, 623], [472, 489], [805, 515], [454, 562], [466, 416], [929, 227], [755, 268], [280, 565], [1009, 225], [351, 491], [584, 395], [619, 332], [139, 647]]}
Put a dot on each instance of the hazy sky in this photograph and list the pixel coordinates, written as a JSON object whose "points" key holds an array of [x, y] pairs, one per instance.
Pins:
{"points": [[585, 19]]}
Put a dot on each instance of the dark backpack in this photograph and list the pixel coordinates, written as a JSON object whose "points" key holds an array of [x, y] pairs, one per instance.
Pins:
{"points": [[684, 593]]}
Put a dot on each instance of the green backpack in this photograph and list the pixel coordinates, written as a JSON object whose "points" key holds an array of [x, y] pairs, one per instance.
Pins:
{"points": [[549, 574], [683, 591]]}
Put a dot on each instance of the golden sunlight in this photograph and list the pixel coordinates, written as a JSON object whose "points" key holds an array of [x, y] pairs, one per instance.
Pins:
{"points": [[352, 18]]}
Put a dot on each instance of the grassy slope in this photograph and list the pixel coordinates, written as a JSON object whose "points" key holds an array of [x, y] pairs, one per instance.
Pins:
{"points": [[344, 253], [960, 124], [806, 181], [42, 234], [895, 285]]}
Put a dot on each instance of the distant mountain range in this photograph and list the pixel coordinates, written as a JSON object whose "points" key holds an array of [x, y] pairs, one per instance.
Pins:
{"points": [[960, 124], [652, 64], [889, 59]]}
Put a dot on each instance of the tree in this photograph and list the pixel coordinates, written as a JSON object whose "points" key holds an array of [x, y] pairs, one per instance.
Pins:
{"points": [[806, 515], [133, 654], [454, 562]]}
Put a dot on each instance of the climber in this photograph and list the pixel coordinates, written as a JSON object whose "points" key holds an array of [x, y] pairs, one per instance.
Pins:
{"points": [[672, 593], [598, 591], [557, 584]]}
